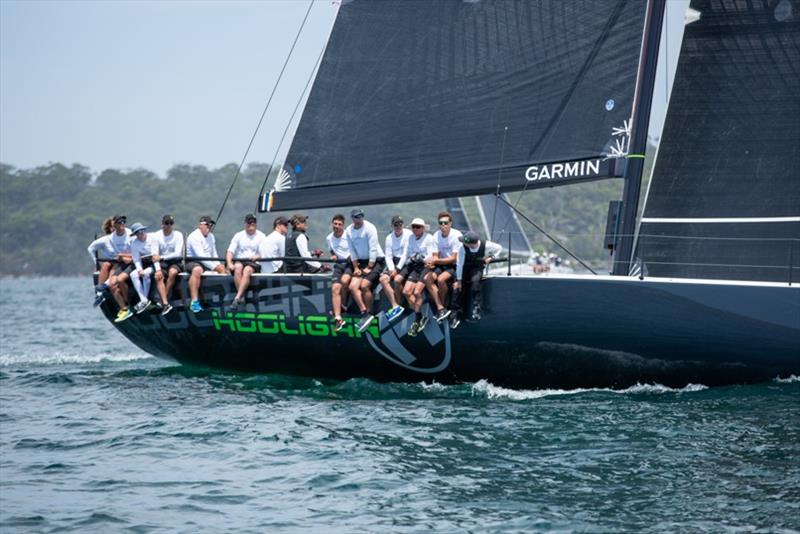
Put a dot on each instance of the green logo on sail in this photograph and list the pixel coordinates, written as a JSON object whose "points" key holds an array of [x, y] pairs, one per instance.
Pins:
{"points": [[278, 323]]}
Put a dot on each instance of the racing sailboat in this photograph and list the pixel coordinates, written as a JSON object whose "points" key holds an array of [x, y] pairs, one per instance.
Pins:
{"points": [[427, 99]]}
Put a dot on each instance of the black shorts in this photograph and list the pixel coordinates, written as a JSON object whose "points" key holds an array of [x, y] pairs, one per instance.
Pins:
{"points": [[439, 269], [192, 264], [166, 265], [340, 269], [413, 272], [374, 275], [123, 267], [252, 264], [395, 260], [147, 262]]}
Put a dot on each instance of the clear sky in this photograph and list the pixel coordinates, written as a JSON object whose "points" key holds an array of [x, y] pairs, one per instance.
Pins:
{"points": [[121, 84], [124, 84]]}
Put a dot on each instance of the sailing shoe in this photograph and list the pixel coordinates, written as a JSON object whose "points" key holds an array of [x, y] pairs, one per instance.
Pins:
{"points": [[166, 309], [423, 323], [394, 313], [476, 313], [414, 330], [442, 315], [454, 321], [141, 306], [338, 324], [153, 306], [195, 306], [123, 314], [366, 320], [234, 305], [99, 298]]}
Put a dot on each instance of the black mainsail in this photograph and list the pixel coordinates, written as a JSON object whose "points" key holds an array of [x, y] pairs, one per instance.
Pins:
{"points": [[500, 222], [724, 201], [506, 93]]}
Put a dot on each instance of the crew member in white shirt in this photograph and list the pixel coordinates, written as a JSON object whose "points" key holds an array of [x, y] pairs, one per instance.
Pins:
{"points": [[419, 250], [342, 269], [102, 254], [144, 251], [440, 270], [201, 244], [170, 254], [367, 259], [274, 246], [392, 280], [245, 248], [120, 240], [473, 256]]}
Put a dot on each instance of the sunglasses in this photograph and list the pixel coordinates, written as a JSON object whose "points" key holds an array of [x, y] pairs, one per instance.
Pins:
{"points": [[416, 226], [442, 223], [167, 224]]}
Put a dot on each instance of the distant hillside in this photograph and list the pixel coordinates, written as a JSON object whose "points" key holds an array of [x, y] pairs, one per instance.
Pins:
{"points": [[49, 215]]}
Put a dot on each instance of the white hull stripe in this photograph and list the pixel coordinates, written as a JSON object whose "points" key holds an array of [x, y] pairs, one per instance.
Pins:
{"points": [[695, 220]]}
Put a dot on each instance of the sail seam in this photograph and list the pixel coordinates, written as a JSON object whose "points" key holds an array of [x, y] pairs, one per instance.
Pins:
{"points": [[703, 220]]}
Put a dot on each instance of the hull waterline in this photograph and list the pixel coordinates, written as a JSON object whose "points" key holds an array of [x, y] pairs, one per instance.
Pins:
{"points": [[545, 331]]}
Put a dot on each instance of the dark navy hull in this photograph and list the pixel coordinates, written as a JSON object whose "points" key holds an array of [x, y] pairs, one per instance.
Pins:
{"points": [[570, 331]]}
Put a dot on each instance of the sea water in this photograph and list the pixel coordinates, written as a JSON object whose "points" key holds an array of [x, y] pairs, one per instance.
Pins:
{"points": [[97, 436]]}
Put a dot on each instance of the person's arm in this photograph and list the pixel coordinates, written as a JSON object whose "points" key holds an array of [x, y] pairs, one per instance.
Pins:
{"points": [[352, 248], [302, 248], [388, 253], [214, 265], [96, 245], [492, 251], [460, 263], [136, 254], [374, 245], [232, 248]]}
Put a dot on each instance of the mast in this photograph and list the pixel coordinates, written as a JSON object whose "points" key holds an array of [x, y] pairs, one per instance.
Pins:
{"points": [[640, 121]]}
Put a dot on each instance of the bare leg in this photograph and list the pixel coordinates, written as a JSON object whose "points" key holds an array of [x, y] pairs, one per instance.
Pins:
{"points": [[336, 298], [161, 288], [366, 294], [244, 281], [398, 288], [194, 282], [237, 277], [443, 287], [120, 290], [419, 288], [388, 290], [171, 277], [408, 291], [433, 290], [105, 272], [355, 289]]}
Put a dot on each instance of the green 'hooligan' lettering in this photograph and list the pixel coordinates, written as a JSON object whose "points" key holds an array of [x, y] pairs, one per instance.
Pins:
{"points": [[268, 323], [284, 328], [317, 325], [218, 323], [241, 317]]}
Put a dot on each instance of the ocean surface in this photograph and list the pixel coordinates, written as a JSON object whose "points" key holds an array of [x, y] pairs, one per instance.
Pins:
{"points": [[97, 436]]}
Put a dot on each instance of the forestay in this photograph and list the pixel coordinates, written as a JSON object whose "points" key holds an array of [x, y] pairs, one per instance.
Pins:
{"points": [[419, 99], [724, 201]]}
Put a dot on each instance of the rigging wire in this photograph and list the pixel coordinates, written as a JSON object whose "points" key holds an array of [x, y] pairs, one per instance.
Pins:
{"points": [[289, 122], [497, 193], [264, 113]]}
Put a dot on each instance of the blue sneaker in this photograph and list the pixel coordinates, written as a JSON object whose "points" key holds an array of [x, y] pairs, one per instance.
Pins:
{"points": [[195, 306], [394, 313], [99, 297]]}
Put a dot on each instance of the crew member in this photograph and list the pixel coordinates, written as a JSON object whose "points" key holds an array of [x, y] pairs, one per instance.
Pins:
{"points": [[391, 279], [274, 246], [441, 268], [103, 256], [418, 251], [170, 256], [342, 269], [201, 244], [297, 246], [117, 282], [473, 256], [144, 247], [245, 248], [367, 260]]}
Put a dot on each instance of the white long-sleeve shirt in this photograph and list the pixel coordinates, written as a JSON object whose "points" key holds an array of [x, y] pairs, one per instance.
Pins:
{"points": [[144, 249], [302, 248], [394, 245], [363, 242], [423, 247], [338, 246], [103, 247], [199, 246], [273, 246], [492, 249], [244, 245], [170, 247]]}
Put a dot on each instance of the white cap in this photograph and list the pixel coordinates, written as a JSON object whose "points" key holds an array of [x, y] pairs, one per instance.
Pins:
{"points": [[417, 222]]}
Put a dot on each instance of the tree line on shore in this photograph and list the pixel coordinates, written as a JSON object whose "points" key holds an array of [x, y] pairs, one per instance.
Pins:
{"points": [[49, 214]]}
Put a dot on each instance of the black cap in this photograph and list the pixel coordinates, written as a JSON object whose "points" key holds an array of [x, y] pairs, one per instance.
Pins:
{"points": [[298, 218], [470, 238], [208, 220], [250, 218], [280, 219], [396, 219], [120, 218], [357, 212], [167, 219]]}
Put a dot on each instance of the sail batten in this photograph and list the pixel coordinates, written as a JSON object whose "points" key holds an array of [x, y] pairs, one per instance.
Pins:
{"points": [[411, 92]]}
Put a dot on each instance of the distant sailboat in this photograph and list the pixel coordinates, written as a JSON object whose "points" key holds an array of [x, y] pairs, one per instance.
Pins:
{"points": [[435, 99]]}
